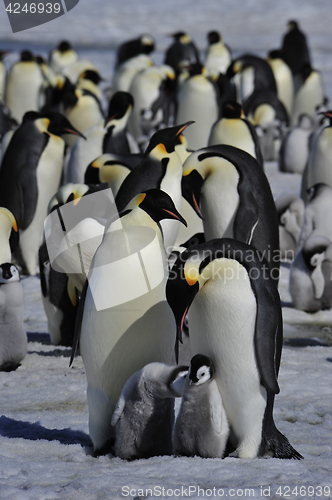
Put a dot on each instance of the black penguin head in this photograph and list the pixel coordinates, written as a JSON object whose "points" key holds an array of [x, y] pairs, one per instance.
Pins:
{"points": [[292, 25], [64, 46], [327, 114], [27, 56], [8, 273], [167, 138], [159, 205], [180, 36], [232, 109], [214, 37], [31, 116], [119, 105], [191, 185], [92, 75], [60, 125], [201, 370]]}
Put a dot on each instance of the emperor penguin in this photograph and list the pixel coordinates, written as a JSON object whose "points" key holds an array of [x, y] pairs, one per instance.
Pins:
{"points": [[24, 82], [263, 107], [223, 287], [13, 339], [144, 415], [218, 56], [198, 100], [73, 71], [151, 89], [234, 129], [30, 175], [310, 282], [3, 74], [309, 92], [182, 49], [228, 188], [124, 320], [316, 222], [201, 427], [126, 72], [107, 136], [63, 55], [9, 235], [284, 79], [319, 167], [294, 149], [294, 49], [144, 44], [161, 168], [290, 210], [251, 73], [83, 110]]}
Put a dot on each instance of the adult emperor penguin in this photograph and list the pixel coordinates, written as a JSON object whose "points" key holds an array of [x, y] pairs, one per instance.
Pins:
{"points": [[124, 320], [198, 100], [25, 79], [161, 168], [235, 130], [144, 44], [254, 73], [9, 236], [294, 149], [224, 287], [30, 175], [63, 55], [284, 79], [229, 189], [107, 136], [290, 210], [295, 51], [310, 282], [319, 168], [144, 415], [89, 80], [201, 427], [218, 56], [13, 339], [182, 49]]}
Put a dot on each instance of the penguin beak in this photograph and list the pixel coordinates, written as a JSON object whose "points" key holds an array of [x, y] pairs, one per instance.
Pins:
{"points": [[73, 131], [183, 127], [176, 215], [191, 190]]}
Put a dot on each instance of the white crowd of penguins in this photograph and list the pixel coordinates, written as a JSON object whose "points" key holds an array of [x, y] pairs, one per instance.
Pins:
{"points": [[196, 248]]}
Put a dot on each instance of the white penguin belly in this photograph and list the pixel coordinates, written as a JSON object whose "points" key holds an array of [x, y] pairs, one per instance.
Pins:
{"points": [[48, 180], [222, 325]]}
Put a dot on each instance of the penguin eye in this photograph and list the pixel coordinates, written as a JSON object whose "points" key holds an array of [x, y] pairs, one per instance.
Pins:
{"points": [[203, 373]]}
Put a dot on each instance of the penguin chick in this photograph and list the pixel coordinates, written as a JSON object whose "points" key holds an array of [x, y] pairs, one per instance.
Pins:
{"points": [[13, 339], [144, 414], [201, 427]]}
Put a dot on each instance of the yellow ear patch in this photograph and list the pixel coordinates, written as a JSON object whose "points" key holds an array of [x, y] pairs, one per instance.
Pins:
{"points": [[161, 148], [140, 198], [15, 225], [191, 275]]}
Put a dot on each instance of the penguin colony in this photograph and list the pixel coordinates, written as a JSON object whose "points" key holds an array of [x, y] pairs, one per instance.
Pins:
{"points": [[178, 157]]}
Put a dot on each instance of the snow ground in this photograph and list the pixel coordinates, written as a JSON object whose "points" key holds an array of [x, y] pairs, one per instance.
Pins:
{"points": [[44, 444]]}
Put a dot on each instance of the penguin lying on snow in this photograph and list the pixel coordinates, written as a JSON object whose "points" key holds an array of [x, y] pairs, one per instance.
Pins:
{"points": [[144, 415], [234, 317], [13, 339], [201, 427]]}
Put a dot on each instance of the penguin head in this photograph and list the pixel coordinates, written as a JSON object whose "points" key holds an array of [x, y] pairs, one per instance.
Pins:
{"points": [[181, 36], [214, 37], [119, 105], [232, 110], [92, 75], [64, 46], [292, 25], [60, 125], [70, 192], [201, 370], [8, 273], [191, 185], [164, 140], [163, 381], [157, 204], [147, 44], [27, 56]]}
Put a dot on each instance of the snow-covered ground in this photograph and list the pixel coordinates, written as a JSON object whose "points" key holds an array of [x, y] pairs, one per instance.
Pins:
{"points": [[44, 444]]}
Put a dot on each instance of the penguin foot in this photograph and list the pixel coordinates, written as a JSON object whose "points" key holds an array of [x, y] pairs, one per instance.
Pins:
{"points": [[9, 367], [277, 445]]}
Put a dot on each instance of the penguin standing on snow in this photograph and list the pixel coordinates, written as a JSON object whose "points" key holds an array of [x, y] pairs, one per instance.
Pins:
{"points": [[122, 328], [201, 427], [294, 149], [63, 55], [13, 339], [218, 55], [182, 49], [30, 175], [144, 415], [294, 49], [223, 286]]}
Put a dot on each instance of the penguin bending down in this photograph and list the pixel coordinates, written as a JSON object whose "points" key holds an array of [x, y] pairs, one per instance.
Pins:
{"points": [[144, 415], [124, 321], [13, 339], [144, 44], [201, 427], [310, 283], [224, 287], [30, 175], [229, 190]]}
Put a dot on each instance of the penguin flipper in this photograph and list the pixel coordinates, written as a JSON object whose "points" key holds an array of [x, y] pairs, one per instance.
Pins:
{"points": [[78, 323], [247, 215]]}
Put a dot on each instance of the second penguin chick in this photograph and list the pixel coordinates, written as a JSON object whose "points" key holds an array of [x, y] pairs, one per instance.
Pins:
{"points": [[201, 427], [144, 414]]}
